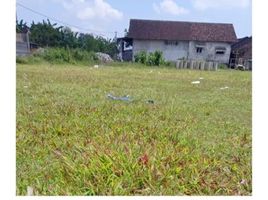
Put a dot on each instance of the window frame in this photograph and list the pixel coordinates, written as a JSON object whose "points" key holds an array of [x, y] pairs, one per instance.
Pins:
{"points": [[200, 47], [199, 50], [220, 50], [171, 42]]}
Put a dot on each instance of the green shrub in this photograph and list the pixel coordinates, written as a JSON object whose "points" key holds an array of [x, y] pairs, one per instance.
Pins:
{"points": [[158, 58], [155, 59], [59, 56], [83, 56], [141, 57], [152, 59], [222, 66], [170, 63]]}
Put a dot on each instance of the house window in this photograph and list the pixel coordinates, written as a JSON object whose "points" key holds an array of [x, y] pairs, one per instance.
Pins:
{"points": [[220, 50], [199, 49], [171, 42]]}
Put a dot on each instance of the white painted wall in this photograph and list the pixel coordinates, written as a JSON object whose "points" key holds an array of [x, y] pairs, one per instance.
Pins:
{"points": [[184, 49], [209, 52], [170, 52]]}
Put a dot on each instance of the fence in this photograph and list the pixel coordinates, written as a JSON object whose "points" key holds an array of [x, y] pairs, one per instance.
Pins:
{"points": [[247, 63], [197, 65], [22, 44]]}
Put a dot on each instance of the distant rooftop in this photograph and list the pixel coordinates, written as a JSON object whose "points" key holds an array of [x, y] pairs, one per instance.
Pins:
{"points": [[179, 30]]}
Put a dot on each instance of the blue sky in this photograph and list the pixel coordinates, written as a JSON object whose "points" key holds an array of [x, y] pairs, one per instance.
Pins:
{"points": [[104, 17]]}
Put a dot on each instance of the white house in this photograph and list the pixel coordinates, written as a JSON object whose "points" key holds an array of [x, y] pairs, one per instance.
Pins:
{"points": [[181, 40]]}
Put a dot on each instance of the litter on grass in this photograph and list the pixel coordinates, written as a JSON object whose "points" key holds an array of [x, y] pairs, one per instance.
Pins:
{"points": [[123, 98], [150, 101], [201, 78], [96, 66], [224, 88], [243, 182], [30, 191], [127, 98], [196, 82]]}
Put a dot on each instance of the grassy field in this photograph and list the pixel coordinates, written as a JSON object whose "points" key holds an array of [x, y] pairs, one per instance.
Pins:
{"points": [[73, 140]]}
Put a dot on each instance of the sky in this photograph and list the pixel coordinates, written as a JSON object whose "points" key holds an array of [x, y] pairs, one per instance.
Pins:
{"points": [[105, 17]]}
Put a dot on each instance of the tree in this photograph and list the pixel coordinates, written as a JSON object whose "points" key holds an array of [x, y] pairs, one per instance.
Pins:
{"points": [[21, 27], [46, 34], [68, 38]]}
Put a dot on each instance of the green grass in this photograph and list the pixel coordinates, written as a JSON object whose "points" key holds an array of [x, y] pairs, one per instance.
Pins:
{"points": [[72, 140]]}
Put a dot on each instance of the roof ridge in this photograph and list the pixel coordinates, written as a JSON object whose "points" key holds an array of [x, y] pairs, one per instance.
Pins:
{"points": [[190, 22]]}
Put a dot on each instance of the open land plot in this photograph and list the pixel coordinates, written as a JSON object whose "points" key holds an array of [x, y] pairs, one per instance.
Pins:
{"points": [[73, 140]]}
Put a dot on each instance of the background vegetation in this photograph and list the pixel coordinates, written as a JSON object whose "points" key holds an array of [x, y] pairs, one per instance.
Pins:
{"points": [[46, 34], [56, 55]]}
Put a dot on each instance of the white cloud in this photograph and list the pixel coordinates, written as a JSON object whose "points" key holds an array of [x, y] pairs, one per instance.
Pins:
{"points": [[91, 9], [206, 4], [169, 7], [99, 9]]}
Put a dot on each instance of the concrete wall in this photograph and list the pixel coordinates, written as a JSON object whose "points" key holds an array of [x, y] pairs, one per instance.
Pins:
{"points": [[22, 49], [209, 51], [184, 49], [22, 44], [170, 52]]}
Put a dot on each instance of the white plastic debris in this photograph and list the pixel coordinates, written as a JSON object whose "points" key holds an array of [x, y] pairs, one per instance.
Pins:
{"points": [[96, 66], [123, 98], [201, 78], [196, 82], [224, 88], [30, 191], [243, 182]]}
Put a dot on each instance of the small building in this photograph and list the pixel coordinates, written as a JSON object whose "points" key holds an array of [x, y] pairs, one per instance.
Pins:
{"points": [[124, 46], [22, 44], [241, 53], [181, 40]]}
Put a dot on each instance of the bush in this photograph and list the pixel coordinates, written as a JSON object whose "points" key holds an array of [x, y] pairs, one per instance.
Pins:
{"points": [[223, 66], [152, 59], [170, 63], [84, 56], [59, 56], [141, 57], [158, 58]]}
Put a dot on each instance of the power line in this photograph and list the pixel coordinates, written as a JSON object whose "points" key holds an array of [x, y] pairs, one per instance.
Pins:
{"points": [[62, 22]]}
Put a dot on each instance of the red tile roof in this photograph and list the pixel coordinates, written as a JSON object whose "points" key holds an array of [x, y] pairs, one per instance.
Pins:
{"points": [[243, 48], [176, 30]]}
